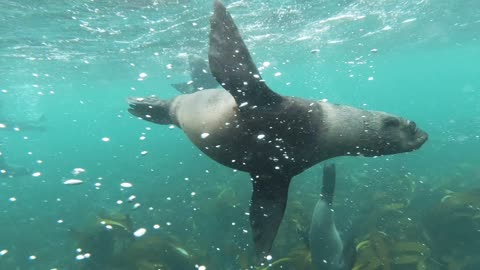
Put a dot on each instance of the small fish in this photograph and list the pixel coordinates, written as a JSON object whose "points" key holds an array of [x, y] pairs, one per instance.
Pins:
{"points": [[73, 182]]}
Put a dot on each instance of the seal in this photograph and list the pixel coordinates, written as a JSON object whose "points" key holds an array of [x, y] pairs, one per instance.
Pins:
{"points": [[326, 246], [8, 170], [200, 75], [251, 128]]}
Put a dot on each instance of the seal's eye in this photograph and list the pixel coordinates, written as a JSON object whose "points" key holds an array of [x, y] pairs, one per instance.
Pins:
{"points": [[391, 122], [413, 126]]}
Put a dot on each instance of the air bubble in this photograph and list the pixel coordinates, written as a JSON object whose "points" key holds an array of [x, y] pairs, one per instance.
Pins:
{"points": [[140, 232], [126, 185], [73, 182]]}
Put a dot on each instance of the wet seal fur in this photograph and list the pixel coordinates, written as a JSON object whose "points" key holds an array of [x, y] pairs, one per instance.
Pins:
{"points": [[328, 250], [251, 128]]}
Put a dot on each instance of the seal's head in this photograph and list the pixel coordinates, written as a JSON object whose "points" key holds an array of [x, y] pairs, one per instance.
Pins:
{"points": [[391, 134], [351, 131]]}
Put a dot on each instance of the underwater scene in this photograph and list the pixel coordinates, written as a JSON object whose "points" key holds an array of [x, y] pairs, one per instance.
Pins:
{"points": [[196, 134]]}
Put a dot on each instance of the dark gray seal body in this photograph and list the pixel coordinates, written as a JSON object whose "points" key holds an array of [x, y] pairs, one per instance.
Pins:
{"points": [[251, 128], [326, 246]]}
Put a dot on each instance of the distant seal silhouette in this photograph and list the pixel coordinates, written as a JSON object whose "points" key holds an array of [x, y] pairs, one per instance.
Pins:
{"points": [[328, 250], [8, 170], [251, 128]]}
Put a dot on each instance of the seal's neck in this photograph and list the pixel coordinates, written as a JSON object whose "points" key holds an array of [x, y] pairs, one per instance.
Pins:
{"points": [[348, 130]]}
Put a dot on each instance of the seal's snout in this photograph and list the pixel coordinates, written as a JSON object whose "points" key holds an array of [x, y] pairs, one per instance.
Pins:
{"points": [[420, 138], [423, 136]]}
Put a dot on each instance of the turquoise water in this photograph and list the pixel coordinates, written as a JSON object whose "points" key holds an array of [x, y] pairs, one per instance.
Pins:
{"points": [[67, 67]]}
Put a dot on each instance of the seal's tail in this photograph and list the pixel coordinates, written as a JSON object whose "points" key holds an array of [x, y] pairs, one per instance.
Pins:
{"points": [[329, 177], [151, 109]]}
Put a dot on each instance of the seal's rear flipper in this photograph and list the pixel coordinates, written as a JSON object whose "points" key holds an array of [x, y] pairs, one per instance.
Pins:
{"points": [[267, 207], [328, 188], [151, 109], [231, 63]]}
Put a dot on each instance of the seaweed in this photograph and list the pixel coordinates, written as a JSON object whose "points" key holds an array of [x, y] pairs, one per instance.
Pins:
{"points": [[379, 251], [453, 226]]}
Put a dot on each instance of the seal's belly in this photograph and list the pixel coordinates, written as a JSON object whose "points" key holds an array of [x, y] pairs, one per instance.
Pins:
{"points": [[266, 141], [247, 150]]}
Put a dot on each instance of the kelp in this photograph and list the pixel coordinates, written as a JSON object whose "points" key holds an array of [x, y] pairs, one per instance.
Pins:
{"points": [[393, 239], [380, 252], [108, 236], [389, 238], [298, 259], [453, 225], [277, 264], [391, 216], [373, 253], [116, 219], [155, 251], [111, 242]]}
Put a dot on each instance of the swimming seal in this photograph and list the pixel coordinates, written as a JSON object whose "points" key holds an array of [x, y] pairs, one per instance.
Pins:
{"points": [[328, 250], [251, 128], [8, 170]]}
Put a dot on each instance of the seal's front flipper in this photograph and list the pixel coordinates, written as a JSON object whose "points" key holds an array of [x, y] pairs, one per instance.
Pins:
{"points": [[200, 73], [151, 109], [328, 188], [267, 207], [231, 63], [183, 88]]}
